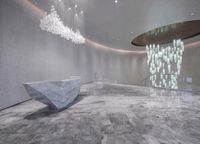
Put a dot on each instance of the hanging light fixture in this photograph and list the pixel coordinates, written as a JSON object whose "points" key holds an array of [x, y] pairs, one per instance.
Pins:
{"points": [[165, 64], [53, 24]]}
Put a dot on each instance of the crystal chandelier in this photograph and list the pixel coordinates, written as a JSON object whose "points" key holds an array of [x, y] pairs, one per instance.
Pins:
{"points": [[52, 23], [165, 64]]}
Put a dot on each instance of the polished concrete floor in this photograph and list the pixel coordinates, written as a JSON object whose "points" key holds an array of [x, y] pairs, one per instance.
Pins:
{"points": [[107, 114]]}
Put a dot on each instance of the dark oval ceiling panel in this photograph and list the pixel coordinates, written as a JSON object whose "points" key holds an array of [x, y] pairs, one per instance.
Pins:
{"points": [[166, 34]]}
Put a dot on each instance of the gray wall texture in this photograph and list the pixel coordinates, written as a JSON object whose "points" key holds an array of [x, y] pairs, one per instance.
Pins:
{"points": [[28, 54]]}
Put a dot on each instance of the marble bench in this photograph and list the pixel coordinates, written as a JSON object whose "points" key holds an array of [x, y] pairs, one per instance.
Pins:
{"points": [[56, 94]]}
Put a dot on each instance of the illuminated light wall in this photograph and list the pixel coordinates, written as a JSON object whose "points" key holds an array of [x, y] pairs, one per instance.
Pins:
{"points": [[165, 64]]}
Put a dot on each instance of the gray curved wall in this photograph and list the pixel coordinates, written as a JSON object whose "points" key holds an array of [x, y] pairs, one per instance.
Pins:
{"points": [[29, 54]]}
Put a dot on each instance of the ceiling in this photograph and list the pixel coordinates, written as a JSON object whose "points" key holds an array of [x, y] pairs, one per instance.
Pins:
{"points": [[117, 24], [166, 34]]}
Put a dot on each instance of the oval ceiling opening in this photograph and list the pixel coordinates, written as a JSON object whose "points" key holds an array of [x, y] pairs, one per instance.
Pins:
{"points": [[166, 34]]}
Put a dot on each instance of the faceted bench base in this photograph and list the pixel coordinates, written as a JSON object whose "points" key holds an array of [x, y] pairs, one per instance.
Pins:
{"points": [[56, 94]]}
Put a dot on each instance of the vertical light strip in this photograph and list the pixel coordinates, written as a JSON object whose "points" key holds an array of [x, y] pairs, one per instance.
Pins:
{"points": [[165, 64]]}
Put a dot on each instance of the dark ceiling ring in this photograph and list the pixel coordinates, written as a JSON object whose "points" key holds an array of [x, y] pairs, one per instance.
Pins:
{"points": [[166, 34]]}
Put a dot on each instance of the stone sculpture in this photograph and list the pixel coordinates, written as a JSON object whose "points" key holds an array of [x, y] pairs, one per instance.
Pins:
{"points": [[56, 94]]}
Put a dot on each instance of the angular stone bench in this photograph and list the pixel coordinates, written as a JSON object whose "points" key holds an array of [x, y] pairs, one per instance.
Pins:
{"points": [[56, 94]]}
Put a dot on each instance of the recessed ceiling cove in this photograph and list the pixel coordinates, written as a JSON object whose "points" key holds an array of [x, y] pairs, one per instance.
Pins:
{"points": [[166, 34]]}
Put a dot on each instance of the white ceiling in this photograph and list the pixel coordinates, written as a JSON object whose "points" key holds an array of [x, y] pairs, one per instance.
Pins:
{"points": [[116, 25]]}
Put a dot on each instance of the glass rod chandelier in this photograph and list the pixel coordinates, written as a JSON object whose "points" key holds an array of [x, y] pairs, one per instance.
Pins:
{"points": [[165, 64]]}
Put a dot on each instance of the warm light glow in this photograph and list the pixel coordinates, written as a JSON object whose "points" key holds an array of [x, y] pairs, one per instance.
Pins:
{"points": [[103, 47]]}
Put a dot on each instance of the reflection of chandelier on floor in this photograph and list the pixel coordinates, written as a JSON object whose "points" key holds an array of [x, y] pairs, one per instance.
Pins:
{"points": [[165, 64], [52, 23]]}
